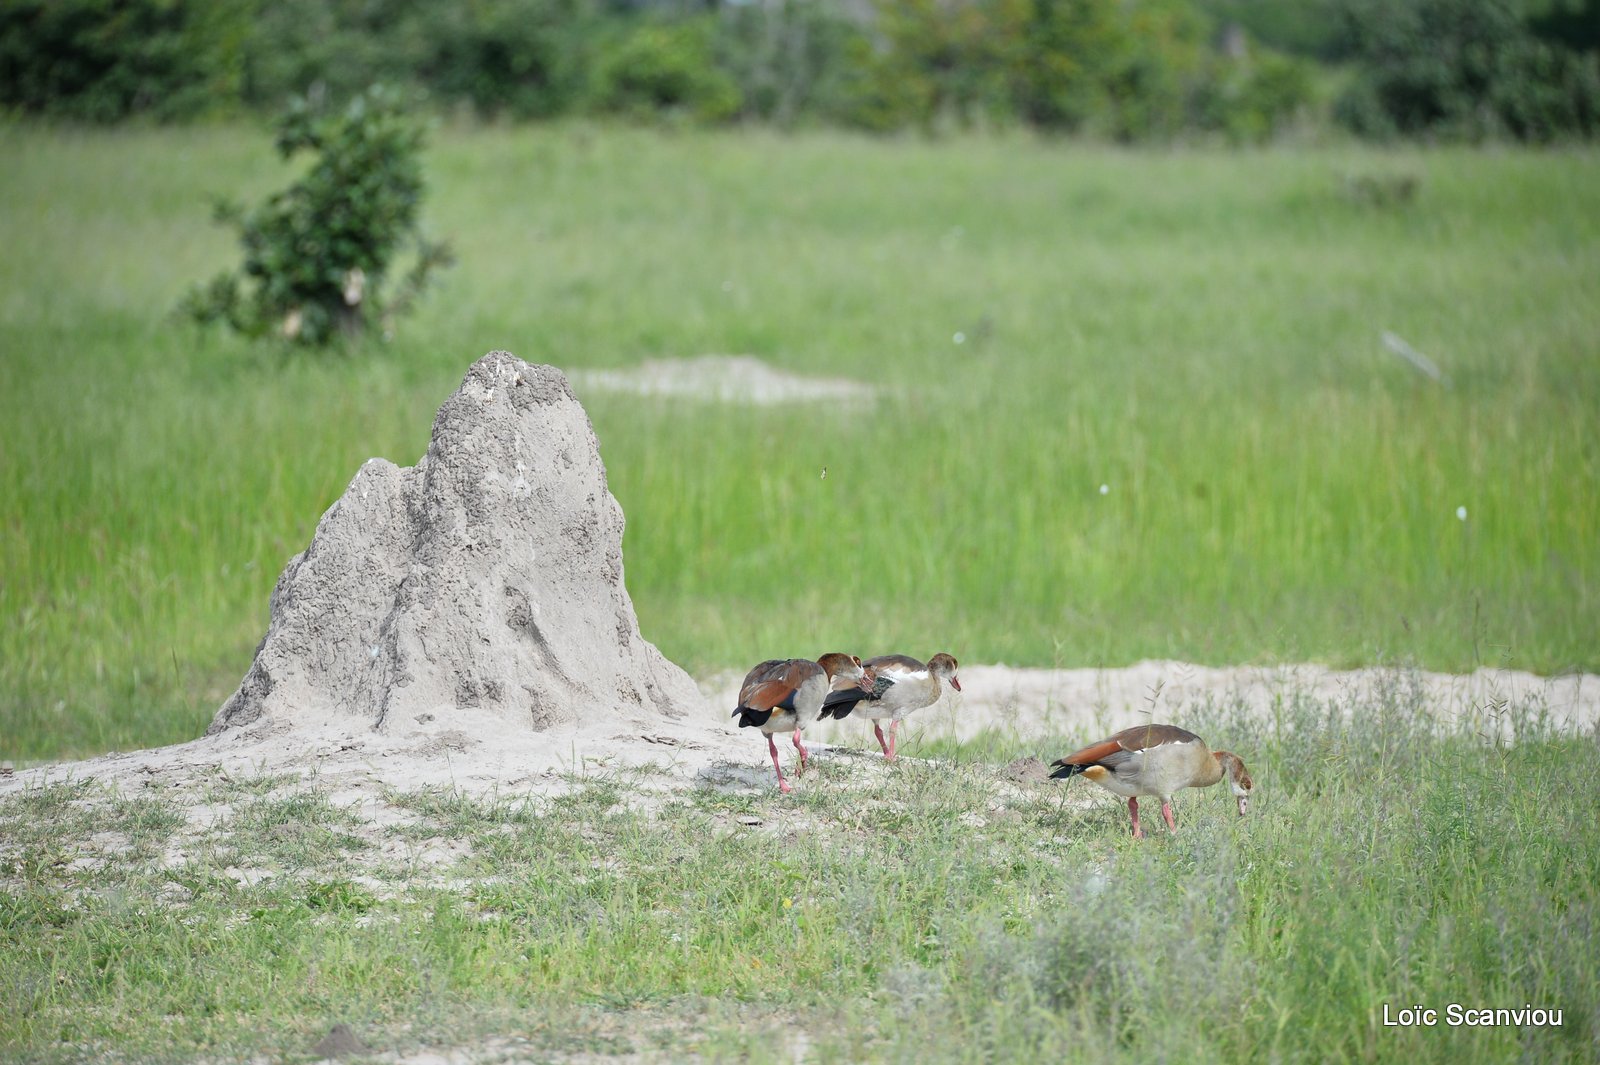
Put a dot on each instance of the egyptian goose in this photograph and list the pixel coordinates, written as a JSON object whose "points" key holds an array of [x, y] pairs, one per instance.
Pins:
{"points": [[1156, 760], [786, 695], [902, 685]]}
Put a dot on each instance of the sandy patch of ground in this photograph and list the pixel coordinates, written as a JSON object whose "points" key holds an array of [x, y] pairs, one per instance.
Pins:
{"points": [[1045, 702], [742, 379], [1089, 703], [480, 753]]}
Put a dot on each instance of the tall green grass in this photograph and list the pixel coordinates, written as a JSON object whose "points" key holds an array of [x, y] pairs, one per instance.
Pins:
{"points": [[931, 912], [1195, 330]]}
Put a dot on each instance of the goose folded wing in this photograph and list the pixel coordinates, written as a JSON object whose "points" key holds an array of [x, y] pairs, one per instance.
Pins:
{"points": [[1122, 747], [898, 664]]}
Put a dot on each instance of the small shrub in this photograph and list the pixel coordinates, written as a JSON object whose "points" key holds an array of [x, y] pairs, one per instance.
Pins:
{"points": [[665, 69], [318, 254]]}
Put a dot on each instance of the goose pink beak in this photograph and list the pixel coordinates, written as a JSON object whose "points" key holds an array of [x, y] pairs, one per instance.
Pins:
{"points": [[955, 682]]}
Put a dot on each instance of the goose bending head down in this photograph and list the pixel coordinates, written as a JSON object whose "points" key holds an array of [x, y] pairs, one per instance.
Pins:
{"points": [[898, 685], [786, 695], [1156, 760]]}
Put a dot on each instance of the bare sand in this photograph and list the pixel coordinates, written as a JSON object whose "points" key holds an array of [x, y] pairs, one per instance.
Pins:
{"points": [[741, 379], [480, 752]]}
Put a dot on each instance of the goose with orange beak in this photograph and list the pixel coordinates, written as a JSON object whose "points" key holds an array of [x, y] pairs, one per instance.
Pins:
{"points": [[1156, 760]]}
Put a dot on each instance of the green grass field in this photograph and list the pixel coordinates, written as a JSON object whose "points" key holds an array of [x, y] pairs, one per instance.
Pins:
{"points": [[931, 913], [1196, 330]]}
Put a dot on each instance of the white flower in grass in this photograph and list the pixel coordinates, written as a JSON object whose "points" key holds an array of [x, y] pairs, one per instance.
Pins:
{"points": [[1105, 489], [1461, 513], [960, 338]]}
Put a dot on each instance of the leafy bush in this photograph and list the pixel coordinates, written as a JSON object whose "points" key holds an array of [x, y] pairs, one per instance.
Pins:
{"points": [[959, 56], [318, 253], [790, 58], [1465, 69], [1158, 71], [337, 47], [1250, 99], [105, 60], [1305, 27], [1137, 70], [665, 68], [526, 58], [882, 91], [523, 57], [1062, 82]]}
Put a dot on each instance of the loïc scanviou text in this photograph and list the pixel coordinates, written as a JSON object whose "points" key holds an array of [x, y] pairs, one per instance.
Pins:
{"points": [[1455, 1015]]}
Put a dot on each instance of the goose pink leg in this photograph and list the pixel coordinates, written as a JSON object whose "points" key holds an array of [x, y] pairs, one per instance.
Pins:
{"points": [[878, 731], [772, 745], [1166, 812], [1133, 811], [893, 725], [801, 748]]}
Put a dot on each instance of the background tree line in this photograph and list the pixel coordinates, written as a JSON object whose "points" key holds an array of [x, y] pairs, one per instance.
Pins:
{"points": [[1124, 69]]}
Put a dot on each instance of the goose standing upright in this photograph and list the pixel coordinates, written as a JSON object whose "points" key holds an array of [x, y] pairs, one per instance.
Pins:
{"points": [[787, 695], [1156, 760], [901, 684]]}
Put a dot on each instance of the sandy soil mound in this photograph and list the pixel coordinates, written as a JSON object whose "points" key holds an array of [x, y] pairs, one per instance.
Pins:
{"points": [[723, 378]]}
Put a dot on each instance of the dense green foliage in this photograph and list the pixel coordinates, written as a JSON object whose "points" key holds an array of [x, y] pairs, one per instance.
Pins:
{"points": [[524, 58], [932, 912], [1146, 69], [105, 60], [1197, 330], [1128, 70], [1466, 68], [665, 69], [1314, 28], [317, 254]]}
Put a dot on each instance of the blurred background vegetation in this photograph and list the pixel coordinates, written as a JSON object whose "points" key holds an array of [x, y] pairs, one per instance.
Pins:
{"points": [[1132, 70]]}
